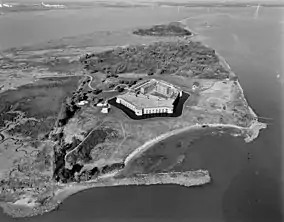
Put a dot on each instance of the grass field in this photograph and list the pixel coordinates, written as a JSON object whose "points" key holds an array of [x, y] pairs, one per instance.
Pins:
{"points": [[29, 113], [41, 99]]}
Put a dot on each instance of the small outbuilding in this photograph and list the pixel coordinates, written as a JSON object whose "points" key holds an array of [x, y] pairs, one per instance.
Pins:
{"points": [[105, 107], [102, 104], [105, 110], [82, 103]]}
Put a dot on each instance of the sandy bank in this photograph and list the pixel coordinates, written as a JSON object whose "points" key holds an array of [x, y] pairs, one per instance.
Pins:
{"points": [[251, 132]]}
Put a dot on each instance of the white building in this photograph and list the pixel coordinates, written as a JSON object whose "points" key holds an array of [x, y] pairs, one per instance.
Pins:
{"points": [[105, 107], [82, 103], [105, 110], [151, 97], [101, 104]]}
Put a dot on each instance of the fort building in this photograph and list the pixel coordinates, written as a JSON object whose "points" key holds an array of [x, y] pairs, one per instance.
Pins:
{"points": [[150, 97]]}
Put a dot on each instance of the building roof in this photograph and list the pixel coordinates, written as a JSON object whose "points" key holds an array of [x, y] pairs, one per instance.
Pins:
{"points": [[81, 103], [100, 104], [146, 101], [152, 99], [105, 110]]}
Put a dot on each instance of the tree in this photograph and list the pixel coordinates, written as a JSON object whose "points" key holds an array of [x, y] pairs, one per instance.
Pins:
{"points": [[62, 115], [120, 89], [111, 85], [95, 100], [159, 71], [97, 91], [150, 72]]}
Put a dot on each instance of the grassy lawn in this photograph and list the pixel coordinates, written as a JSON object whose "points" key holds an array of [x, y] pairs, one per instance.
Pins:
{"points": [[41, 100]]}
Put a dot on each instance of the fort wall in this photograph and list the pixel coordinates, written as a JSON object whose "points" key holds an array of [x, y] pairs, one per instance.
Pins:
{"points": [[145, 98]]}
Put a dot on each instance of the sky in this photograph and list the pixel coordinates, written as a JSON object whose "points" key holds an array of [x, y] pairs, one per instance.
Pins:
{"points": [[146, 1], [184, 1]]}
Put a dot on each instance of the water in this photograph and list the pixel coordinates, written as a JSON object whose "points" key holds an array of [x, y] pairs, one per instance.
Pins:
{"points": [[246, 177], [25, 28]]}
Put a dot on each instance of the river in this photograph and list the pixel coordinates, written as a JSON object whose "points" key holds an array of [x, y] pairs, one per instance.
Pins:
{"points": [[246, 177]]}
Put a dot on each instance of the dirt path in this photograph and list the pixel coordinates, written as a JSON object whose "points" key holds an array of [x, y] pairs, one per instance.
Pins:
{"points": [[68, 153], [91, 80], [112, 90]]}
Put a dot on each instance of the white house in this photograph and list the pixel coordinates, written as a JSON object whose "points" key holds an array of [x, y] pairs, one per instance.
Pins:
{"points": [[105, 110], [101, 104], [82, 103]]}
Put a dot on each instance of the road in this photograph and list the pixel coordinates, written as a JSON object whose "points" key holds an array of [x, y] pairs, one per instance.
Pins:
{"points": [[91, 80], [112, 90], [65, 158]]}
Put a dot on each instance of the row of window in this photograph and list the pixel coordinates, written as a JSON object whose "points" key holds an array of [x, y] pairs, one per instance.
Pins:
{"points": [[127, 104], [157, 110], [147, 110]]}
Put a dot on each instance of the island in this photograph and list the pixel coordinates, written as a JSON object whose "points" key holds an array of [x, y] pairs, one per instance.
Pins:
{"points": [[171, 29], [71, 124]]}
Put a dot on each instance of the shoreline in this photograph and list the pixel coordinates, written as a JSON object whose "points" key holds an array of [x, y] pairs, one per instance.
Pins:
{"points": [[198, 177], [255, 127], [187, 179]]}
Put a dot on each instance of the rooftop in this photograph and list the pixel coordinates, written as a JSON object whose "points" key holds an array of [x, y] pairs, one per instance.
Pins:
{"points": [[146, 101], [151, 98]]}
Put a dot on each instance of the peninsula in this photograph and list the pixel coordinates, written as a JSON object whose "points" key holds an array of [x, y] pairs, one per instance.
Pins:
{"points": [[60, 134]]}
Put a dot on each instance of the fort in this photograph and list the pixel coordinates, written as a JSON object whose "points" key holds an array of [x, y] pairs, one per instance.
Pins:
{"points": [[150, 97]]}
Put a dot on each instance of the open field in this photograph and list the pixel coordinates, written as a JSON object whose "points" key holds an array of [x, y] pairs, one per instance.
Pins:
{"points": [[38, 100], [29, 113]]}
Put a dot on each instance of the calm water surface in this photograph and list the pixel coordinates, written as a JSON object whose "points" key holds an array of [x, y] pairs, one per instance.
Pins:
{"points": [[18, 29], [246, 177]]}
